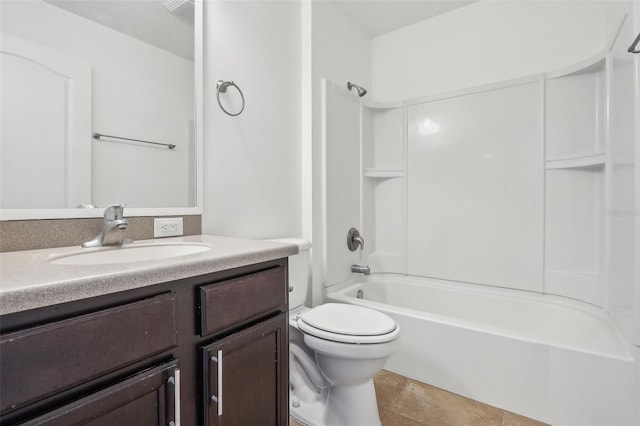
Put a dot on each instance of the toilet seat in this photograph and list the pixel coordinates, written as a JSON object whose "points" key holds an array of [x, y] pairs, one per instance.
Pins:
{"points": [[345, 323]]}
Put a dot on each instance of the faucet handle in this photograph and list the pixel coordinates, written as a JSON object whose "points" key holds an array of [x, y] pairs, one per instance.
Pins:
{"points": [[114, 212], [354, 240]]}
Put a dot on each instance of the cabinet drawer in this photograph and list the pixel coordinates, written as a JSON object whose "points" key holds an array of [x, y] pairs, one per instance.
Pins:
{"points": [[39, 361], [235, 301]]}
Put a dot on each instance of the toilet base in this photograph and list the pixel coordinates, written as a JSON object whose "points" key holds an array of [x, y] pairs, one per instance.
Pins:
{"points": [[307, 413], [346, 405]]}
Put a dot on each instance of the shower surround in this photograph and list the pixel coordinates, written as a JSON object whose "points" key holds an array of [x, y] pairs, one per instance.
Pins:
{"points": [[507, 188]]}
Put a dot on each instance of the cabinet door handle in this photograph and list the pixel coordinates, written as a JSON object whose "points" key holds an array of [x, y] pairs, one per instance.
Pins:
{"points": [[218, 399], [175, 381]]}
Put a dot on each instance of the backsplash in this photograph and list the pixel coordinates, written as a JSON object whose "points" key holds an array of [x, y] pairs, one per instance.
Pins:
{"points": [[38, 234]]}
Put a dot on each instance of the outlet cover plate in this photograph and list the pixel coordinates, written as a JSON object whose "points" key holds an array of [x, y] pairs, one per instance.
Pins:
{"points": [[167, 227]]}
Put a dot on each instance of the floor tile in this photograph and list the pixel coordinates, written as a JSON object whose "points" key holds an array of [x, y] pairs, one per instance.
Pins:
{"points": [[406, 402], [429, 405], [293, 422], [513, 419], [391, 418], [388, 386]]}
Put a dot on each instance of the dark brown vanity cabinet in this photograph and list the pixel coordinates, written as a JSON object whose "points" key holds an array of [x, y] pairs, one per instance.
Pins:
{"points": [[138, 357]]}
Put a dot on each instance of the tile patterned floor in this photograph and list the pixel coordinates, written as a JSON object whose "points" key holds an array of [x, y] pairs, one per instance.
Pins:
{"points": [[406, 402]]}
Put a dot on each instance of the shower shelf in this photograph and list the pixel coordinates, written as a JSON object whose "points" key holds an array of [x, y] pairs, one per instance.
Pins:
{"points": [[593, 64], [382, 105], [577, 162], [383, 173]]}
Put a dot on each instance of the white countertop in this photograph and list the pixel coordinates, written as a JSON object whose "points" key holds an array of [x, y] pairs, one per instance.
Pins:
{"points": [[28, 280]]}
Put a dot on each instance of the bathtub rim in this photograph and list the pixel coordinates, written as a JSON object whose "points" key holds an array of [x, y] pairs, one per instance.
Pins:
{"points": [[338, 293]]}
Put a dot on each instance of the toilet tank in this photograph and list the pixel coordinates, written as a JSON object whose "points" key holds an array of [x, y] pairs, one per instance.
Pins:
{"points": [[299, 271]]}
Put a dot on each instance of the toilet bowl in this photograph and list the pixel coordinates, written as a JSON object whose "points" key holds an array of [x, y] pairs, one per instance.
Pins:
{"points": [[335, 350]]}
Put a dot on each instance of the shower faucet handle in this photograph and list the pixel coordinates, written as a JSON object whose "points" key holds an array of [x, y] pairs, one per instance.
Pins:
{"points": [[354, 240]]}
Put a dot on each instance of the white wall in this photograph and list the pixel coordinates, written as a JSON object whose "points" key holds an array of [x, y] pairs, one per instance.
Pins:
{"points": [[635, 13], [258, 180], [138, 91], [341, 52], [342, 183], [252, 161], [474, 188], [485, 42], [623, 195], [494, 41]]}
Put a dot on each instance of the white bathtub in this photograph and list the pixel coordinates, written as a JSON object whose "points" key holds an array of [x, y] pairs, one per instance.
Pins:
{"points": [[551, 359]]}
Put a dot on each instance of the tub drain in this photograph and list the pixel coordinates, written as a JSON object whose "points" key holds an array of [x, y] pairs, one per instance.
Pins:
{"points": [[360, 294]]}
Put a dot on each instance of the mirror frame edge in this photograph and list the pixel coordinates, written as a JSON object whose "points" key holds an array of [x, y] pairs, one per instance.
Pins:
{"points": [[198, 68]]}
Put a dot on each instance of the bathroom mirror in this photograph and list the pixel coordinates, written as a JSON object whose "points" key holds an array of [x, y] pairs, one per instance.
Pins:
{"points": [[87, 84]]}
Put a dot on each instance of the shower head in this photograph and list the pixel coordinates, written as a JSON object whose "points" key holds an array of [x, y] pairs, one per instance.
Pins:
{"points": [[361, 90]]}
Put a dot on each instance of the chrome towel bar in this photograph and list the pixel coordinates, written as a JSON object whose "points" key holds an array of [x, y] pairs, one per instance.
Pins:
{"points": [[97, 136]]}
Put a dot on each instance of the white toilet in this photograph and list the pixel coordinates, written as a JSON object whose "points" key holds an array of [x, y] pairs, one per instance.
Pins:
{"points": [[335, 350]]}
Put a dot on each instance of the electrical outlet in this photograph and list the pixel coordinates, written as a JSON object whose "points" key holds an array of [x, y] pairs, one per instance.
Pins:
{"points": [[167, 226]]}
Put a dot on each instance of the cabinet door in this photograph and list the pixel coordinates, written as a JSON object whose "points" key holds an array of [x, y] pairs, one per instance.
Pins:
{"points": [[246, 376], [150, 398]]}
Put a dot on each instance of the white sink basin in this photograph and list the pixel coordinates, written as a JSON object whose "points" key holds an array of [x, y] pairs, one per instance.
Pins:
{"points": [[127, 254]]}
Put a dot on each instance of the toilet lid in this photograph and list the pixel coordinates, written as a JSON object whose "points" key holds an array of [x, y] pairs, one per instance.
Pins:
{"points": [[340, 318]]}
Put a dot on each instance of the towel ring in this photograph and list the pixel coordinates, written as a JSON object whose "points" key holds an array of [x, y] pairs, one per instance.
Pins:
{"points": [[221, 87]]}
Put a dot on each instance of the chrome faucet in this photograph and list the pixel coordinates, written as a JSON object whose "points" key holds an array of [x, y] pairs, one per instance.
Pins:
{"points": [[113, 225], [361, 269], [354, 240]]}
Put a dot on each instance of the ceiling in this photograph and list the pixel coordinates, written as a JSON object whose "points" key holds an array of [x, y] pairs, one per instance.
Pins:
{"points": [[151, 22], [146, 20], [377, 17]]}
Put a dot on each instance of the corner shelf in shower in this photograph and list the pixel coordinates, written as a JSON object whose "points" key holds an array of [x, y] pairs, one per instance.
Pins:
{"points": [[382, 105], [575, 114], [575, 132], [577, 162], [383, 173], [595, 63]]}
